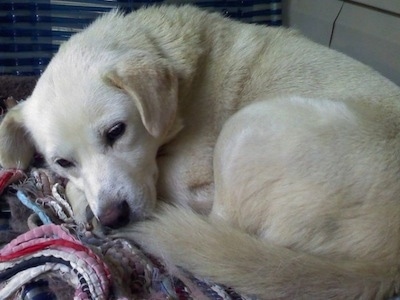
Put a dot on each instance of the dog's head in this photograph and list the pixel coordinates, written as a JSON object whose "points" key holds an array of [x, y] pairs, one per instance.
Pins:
{"points": [[98, 120]]}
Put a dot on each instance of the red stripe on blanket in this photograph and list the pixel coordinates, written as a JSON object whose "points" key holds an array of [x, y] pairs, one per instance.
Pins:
{"points": [[9, 176]]}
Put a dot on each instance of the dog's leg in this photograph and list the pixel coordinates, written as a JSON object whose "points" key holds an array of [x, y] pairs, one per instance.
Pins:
{"points": [[83, 215], [79, 204], [315, 175]]}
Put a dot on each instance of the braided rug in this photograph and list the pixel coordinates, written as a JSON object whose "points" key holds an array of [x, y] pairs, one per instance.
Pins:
{"points": [[54, 248]]}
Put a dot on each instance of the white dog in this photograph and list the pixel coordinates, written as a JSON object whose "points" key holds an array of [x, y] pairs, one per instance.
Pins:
{"points": [[302, 199]]}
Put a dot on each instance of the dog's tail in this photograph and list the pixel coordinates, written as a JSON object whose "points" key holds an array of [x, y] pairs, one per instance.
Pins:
{"points": [[225, 255]]}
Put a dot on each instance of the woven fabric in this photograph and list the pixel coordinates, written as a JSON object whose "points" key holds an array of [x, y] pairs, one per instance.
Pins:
{"points": [[94, 267]]}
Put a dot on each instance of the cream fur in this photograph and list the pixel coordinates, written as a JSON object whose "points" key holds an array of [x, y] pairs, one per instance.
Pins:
{"points": [[287, 151]]}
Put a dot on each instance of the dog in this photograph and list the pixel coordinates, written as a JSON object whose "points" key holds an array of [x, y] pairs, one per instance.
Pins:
{"points": [[248, 155]]}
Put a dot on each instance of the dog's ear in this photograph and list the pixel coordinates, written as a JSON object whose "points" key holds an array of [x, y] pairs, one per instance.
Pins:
{"points": [[153, 86], [16, 147]]}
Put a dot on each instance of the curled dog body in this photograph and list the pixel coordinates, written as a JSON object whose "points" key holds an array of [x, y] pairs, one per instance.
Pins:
{"points": [[278, 156]]}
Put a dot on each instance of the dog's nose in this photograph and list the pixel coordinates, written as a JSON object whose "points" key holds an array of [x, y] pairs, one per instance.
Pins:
{"points": [[116, 215]]}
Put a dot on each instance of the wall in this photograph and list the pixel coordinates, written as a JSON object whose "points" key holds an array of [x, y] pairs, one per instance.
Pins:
{"points": [[368, 30]]}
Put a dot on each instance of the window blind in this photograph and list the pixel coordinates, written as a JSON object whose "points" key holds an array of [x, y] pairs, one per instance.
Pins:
{"points": [[31, 31]]}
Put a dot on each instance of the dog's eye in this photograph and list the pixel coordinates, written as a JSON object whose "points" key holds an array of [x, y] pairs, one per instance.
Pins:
{"points": [[64, 163], [115, 132]]}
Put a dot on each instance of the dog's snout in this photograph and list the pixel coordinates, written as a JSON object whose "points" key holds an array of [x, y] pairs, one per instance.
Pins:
{"points": [[116, 215]]}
